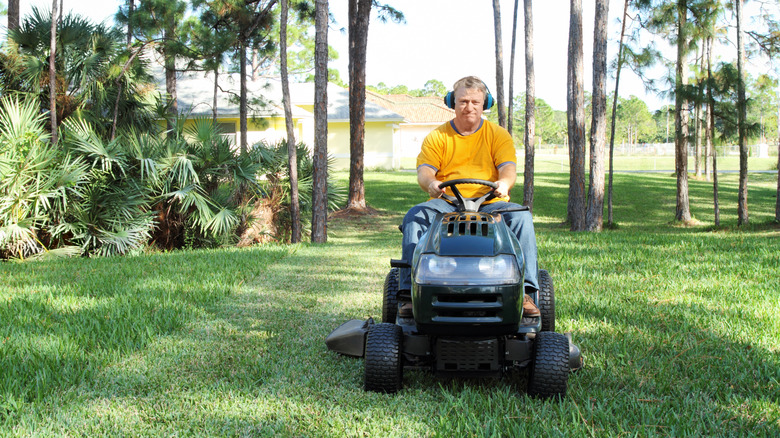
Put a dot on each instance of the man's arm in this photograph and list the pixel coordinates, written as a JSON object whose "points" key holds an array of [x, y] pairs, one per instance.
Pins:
{"points": [[507, 175], [426, 177]]}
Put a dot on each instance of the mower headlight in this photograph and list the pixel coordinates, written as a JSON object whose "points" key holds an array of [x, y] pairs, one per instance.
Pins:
{"points": [[433, 269], [441, 266]]}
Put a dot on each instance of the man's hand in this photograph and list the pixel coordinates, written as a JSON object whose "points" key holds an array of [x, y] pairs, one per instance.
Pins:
{"points": [[502, 189], [507, 175], [434, 190], [426, 178]]}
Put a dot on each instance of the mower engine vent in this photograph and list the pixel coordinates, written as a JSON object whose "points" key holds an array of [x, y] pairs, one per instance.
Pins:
{"points": [[467, 224]]}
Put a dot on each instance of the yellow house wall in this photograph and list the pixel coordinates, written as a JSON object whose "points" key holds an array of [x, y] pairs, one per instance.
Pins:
{"points": [[380, 141], [382, 148], [264, 129]]}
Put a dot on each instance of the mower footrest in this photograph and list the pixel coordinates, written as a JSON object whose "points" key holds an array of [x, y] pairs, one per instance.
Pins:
{"points": [[349, 338], [395, 263]]}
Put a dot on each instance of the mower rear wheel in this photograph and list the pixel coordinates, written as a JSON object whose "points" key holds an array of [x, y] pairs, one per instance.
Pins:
{"points": [[546, 302], [550, 371], [390, 296], [384, 359]]}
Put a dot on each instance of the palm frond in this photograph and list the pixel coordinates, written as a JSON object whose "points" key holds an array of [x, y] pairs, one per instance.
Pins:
{"points": [[192, 198], [61, 252], [223, 222], [82, 138], [182, 169], [20, 121]]}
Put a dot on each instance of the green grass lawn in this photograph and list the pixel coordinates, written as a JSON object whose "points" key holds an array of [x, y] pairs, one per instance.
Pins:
{"points": [[678, 326]]}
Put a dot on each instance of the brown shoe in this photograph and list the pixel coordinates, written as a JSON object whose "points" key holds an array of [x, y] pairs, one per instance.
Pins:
{"points": [[529, 308], [406, 311]]}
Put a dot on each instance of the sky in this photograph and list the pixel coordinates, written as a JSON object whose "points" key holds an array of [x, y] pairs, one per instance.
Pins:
{"points": [[448, 39]]}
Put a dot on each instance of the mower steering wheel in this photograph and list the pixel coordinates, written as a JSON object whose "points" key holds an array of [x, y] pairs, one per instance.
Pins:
{"points": [[468, 204]]}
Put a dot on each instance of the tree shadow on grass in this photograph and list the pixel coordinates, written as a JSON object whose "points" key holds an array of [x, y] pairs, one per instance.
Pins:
{"points": [[65, 321]]}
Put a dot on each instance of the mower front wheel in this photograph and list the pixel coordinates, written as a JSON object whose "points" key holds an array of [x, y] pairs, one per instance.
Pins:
{"points": [[546, 301], [390, 296], [550, 371], [384, 359]]}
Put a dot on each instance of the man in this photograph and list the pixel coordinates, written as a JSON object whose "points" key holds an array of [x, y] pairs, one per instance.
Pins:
{"points": [[468, 146]]}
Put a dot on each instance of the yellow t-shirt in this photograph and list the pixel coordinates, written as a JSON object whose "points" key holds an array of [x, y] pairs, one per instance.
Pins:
{"points": [[478, 155]]}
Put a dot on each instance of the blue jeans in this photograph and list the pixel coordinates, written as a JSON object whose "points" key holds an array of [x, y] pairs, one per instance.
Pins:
{"points": [[419, 218]]}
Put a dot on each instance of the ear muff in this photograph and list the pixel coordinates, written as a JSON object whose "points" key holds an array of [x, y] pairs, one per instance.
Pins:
{"points": [[489, 102], [449, 99]]}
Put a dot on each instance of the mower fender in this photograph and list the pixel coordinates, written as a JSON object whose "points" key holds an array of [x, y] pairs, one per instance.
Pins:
{"points": [[349, 338], [575, 356]]}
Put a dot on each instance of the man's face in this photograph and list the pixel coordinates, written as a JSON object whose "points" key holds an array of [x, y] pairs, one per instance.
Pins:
{"points": [[468, 105]]}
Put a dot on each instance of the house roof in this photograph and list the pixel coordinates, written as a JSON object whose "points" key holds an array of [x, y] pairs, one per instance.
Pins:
{"points": [[414, 109], [338, 103], [195, 97]]}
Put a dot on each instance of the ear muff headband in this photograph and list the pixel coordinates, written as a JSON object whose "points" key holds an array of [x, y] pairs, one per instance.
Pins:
{"points": [[449, 99]]}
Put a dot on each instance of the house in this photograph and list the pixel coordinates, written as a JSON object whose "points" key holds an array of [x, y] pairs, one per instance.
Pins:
{"points": [[421, 116], [395, 125]]}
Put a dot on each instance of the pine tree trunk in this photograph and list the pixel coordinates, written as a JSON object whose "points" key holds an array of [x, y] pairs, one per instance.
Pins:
{"points": [[510, 97], [130, 10], [242, 99], [120, 89], [777, 203], [53, 73], [697, 139], [319, 223], [598, 130], [170, 77], [699, 123], [710, 132], [575, 113], [530, 106], [359, 14], [499, 64], [707, 152], [13, 14], [292, 150], [683, 210], [610, 219], [742, 197], [214, 97]]}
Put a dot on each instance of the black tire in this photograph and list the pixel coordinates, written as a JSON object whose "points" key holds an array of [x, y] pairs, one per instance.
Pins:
{"points": [[390, 296], [384, 360], [546, 301], [550, 371]]}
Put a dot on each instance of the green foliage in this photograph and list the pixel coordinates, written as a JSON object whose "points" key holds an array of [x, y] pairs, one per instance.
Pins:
{"points": [[634, 122], [724, 86], [34, 177], [95, 197], [550, 124], [93, 68], [158, 20], [275, 186], [433, 88], [194, 177], [764, 109]]}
